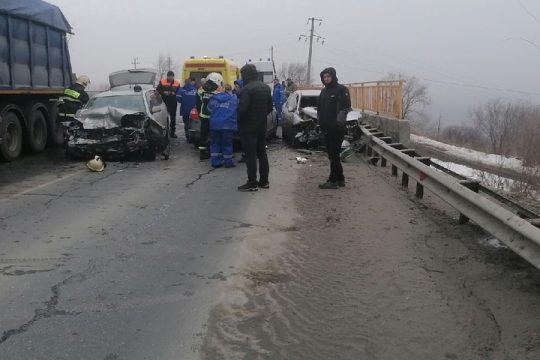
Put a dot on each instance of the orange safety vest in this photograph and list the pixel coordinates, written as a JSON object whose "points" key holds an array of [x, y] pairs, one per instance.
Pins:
{"points": [[175, 84]]}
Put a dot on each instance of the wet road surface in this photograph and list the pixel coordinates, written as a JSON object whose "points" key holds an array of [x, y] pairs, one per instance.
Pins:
{"points": [[166, 260], [120, 264]]}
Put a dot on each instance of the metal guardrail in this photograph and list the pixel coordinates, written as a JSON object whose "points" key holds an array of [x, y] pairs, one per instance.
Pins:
{"points": [[518, 234]]}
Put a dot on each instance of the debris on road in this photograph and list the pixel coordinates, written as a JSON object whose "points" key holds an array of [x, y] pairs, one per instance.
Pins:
{"points": [[301, 160], [96, 164]]}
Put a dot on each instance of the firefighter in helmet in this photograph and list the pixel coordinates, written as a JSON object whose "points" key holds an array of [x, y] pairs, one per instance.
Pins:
{"points": [[73, 99]]}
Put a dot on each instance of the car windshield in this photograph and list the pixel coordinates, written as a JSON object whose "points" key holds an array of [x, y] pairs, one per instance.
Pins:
{"points": [[306, 101], [129, 102]]}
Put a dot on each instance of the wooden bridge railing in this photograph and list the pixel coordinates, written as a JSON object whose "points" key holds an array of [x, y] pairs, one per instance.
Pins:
{"points": [[381, 97]]}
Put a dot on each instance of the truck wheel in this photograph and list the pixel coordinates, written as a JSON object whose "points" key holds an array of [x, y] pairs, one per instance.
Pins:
{"points": [[11, 135], [56, 130], [36, 133]]}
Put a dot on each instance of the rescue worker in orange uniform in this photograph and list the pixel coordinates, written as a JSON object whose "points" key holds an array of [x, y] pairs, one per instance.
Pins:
{"points": [[167, 89]]}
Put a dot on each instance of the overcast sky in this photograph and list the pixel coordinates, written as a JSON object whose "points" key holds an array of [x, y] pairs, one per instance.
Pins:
{"points": [[465, 51]]}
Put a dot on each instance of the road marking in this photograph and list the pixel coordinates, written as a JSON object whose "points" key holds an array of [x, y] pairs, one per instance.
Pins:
{"points": [[44, 185]]}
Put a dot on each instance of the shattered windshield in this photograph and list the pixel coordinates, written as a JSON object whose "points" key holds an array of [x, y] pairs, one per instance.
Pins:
{"points": [[129, 102]]}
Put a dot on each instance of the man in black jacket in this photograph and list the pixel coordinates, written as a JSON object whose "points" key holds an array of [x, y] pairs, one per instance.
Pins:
{"points": [[334, 102], [255, 105]]}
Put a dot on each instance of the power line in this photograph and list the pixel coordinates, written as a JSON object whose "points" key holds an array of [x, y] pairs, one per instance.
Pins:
{"points": [[528, 11]]}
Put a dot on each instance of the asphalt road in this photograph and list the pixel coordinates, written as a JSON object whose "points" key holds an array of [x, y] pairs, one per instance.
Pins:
{"points": [[123, 264], [166, 260]]}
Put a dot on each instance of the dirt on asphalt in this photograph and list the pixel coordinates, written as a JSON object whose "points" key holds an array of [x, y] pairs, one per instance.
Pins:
{"points": [[369, 272]]}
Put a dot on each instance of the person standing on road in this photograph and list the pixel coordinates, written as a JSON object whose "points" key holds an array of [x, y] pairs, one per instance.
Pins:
{"points": [[187, 97], [291, 87], [223, 107], [167, 89], [238, 85], [334, 103], [277, 97], [73, 99], [255, 105], [212, 86]]}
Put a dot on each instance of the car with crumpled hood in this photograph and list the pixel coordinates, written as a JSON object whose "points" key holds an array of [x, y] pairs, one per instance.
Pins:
{"points": [[129, 119]]}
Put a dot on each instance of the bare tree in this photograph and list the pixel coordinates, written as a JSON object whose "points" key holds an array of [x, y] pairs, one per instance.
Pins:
{"points": [[415, 96], [295, 70], [497, 121], [527, 135], [164, 63]]}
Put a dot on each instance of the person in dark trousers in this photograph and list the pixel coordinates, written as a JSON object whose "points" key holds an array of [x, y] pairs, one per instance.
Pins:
{"points": [[334, 103], [238, 85], [255, 105], [187, 98], [167, 89], [213, 85]]}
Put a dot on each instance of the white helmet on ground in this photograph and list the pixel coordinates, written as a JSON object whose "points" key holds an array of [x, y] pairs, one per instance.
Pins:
{"points": [[216, 78], [83, 80], [96, 164]]}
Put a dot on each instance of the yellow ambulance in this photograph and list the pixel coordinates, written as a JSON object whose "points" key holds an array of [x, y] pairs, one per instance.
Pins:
{"points": [[199, 68]]}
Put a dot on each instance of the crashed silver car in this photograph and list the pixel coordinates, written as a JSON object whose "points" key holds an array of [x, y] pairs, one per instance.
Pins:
{"points": [[129, 119], [300, 126]]}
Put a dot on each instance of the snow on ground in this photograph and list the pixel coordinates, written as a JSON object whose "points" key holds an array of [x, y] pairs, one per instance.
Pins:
{"points": [[471, 155]]}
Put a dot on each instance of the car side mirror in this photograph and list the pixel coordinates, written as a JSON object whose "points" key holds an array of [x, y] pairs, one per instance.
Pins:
{"points": [[156, 109]]}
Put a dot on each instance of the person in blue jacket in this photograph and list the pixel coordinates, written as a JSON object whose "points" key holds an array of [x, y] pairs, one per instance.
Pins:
{"points": [[277, 98], [187, 97], [223, 124]]}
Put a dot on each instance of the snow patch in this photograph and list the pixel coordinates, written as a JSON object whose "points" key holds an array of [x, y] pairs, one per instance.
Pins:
{"points": [[472, 155]]}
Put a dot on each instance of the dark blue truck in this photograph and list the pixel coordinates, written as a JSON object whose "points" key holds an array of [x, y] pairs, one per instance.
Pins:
{"points": [[35, 67]]}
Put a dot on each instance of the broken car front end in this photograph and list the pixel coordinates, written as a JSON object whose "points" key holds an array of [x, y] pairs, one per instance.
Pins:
{"points": [[111, 133]]}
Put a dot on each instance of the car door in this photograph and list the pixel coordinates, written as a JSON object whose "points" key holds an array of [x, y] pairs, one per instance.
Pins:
{"points": [[289, 108], [157, 108]]}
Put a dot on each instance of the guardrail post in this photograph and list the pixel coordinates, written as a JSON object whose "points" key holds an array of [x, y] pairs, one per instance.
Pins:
{"points": [[394, 170], [383, 162], [404, 180], [474, 186], [419, 190], [419, 186], [369, 151]]}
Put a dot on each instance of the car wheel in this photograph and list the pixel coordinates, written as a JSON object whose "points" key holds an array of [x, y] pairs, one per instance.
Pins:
{"points": [[36, 131], [149, 154], [11, 135], [69, 154]]}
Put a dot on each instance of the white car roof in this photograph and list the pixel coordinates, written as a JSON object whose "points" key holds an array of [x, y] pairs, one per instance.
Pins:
{"points": [[310, 92]]}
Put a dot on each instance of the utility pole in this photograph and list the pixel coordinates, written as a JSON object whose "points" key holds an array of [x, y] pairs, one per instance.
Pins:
{"points": [[169, 62], [312, 34], [272, 58], [135, 62]]}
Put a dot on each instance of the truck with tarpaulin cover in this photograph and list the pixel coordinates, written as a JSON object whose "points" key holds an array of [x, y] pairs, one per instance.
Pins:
{"points": [[35, 68]]}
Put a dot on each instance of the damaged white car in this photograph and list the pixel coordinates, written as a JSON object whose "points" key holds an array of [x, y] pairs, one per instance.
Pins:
{"points": [[300, 125], [129, 119]]}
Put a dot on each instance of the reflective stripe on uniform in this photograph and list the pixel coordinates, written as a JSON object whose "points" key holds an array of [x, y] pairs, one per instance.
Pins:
{"points": [[72, 93], [66, 98], [66, 115], [227, 156]]}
